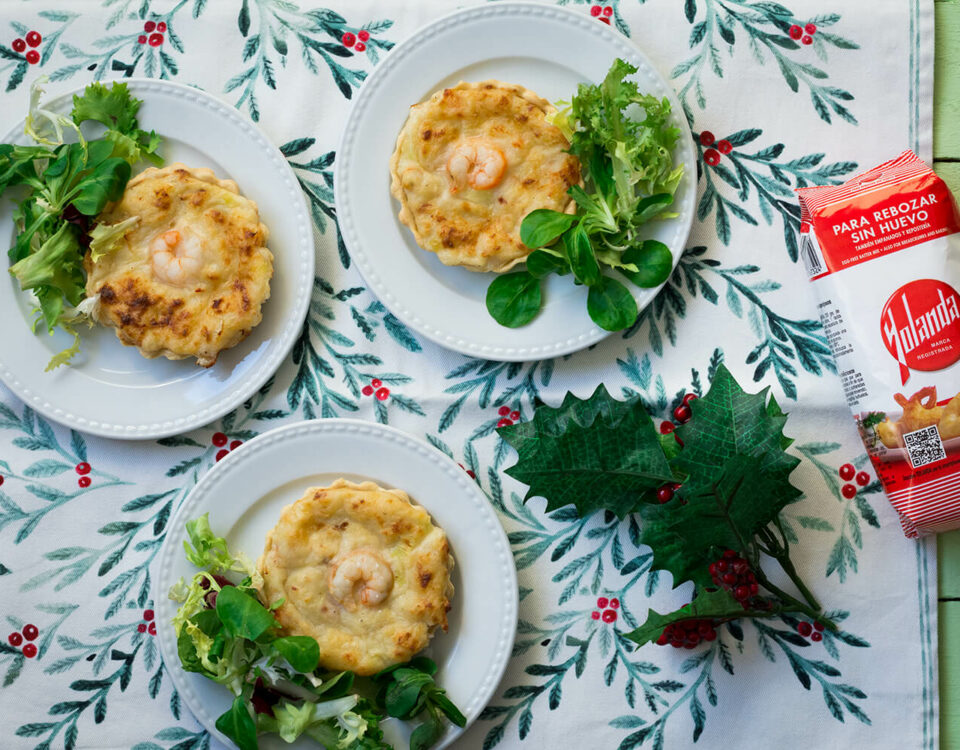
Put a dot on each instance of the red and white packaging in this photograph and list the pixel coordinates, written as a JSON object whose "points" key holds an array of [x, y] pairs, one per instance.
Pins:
{"points": [[883, 253]]}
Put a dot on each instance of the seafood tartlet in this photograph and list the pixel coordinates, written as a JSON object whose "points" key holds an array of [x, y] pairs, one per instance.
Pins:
{"points": [[470, 163], [362, 570], [191, 274]]}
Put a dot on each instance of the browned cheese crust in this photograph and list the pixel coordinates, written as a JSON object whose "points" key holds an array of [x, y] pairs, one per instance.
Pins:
{"points": [[329, 525], [217, 301], [480, 228]]}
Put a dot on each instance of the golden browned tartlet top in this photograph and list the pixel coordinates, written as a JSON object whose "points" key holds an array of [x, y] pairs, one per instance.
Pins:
{"points": [[362, 570], [191, 273], [470, 163]]}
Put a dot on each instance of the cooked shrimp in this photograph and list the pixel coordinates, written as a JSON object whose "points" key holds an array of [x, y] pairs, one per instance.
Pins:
{"points": [[362, 575], [177, 258], [477, 163]]}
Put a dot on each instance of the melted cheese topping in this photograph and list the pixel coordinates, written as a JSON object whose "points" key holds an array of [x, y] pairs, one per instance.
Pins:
{"points": [[191, 275], [305, 552], [503, 131]]}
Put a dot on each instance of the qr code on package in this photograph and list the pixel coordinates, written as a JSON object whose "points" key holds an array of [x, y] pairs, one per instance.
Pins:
{"points": [[924, 446]]}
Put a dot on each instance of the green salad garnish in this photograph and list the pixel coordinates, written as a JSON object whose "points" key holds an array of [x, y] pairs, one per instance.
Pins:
{"points": [[227, 635], [624, 141], [63, 187]]}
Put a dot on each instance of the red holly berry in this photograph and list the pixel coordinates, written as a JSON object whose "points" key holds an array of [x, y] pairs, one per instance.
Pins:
{"points": [[729, 554], [30, 650], [846, 472], [161, 26], [725, 147], [706, 138], [608, 11], [348, 39], [615, 603], [682, 413], [235, 444], [376, 382], [848, 491], [602, 602], [34, 38], [363, 35], [663, 640], [595, 615], [503, 411], [810, 28], [504, 422], [595, 10], [142, 628], [807, 40], [606, 21], [383, 394], [19, 45], [221, 454], [142, 39], [33, 57], [689, 397], [609, 615], [84, 482], [711, 156], [818, 626], [804, 628], [863, 479], [816, 637], [514, 415], [15, 639], [155, 40], [367, 390], [30, 632], [152, 628], [741, 592], [360, 47], [664, 494], [149, 26], [148, 614], [1, 479], [666, 427], [795, 32]]}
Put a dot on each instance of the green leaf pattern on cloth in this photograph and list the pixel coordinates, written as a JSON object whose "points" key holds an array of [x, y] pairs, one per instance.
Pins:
{"points": [[82, 519]]}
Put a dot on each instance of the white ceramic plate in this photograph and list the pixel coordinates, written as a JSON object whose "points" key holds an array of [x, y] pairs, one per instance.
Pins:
{"points": [[547, 49], [112, 390], [245, 493]]}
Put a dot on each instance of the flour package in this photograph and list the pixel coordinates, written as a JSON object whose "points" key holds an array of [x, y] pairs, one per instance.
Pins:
{"points": [[883, 253]]}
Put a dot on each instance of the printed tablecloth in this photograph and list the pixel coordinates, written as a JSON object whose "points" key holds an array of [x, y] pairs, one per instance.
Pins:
{"points": [[778, 95]]}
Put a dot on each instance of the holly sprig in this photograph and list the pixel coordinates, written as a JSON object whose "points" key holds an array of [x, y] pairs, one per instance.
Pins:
{"points": [[709, 493]]}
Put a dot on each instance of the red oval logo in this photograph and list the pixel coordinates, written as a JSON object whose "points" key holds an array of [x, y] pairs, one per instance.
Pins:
{"points": [[920, 326]]}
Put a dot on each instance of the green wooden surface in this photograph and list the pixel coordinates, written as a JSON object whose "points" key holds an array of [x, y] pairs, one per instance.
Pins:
{"points": [[946, 149]]}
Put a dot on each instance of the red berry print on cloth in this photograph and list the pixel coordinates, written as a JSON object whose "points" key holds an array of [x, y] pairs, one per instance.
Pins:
{"points": [[33, 57], [19, 45], [360, 47], [82, 468], [707, 138], [804, 629], [363, 35], [847, 472], [30, 650], [149, 26], [155, 40], [367, 390], [796, 32], [810, 28], [161, 26], [219, 439], [383, 394], [33, 39], [503, 411], [142, 39], [148, 614], [152, 628], [222, 454], [816, 637], [30, 632], [235, 444], [711, 156], [83, 482], [806, 40], [470, 472], [609, 615], [15, 639], [724, 146], [595, 615], [863, 479], [848, 491], [615, 604], [608, 11], [348, 39], [142, 627]]}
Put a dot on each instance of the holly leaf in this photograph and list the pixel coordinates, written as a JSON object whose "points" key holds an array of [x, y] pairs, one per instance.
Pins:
{"points": [[729, 422], [707, 517], [598, 453], [717, 604]]}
